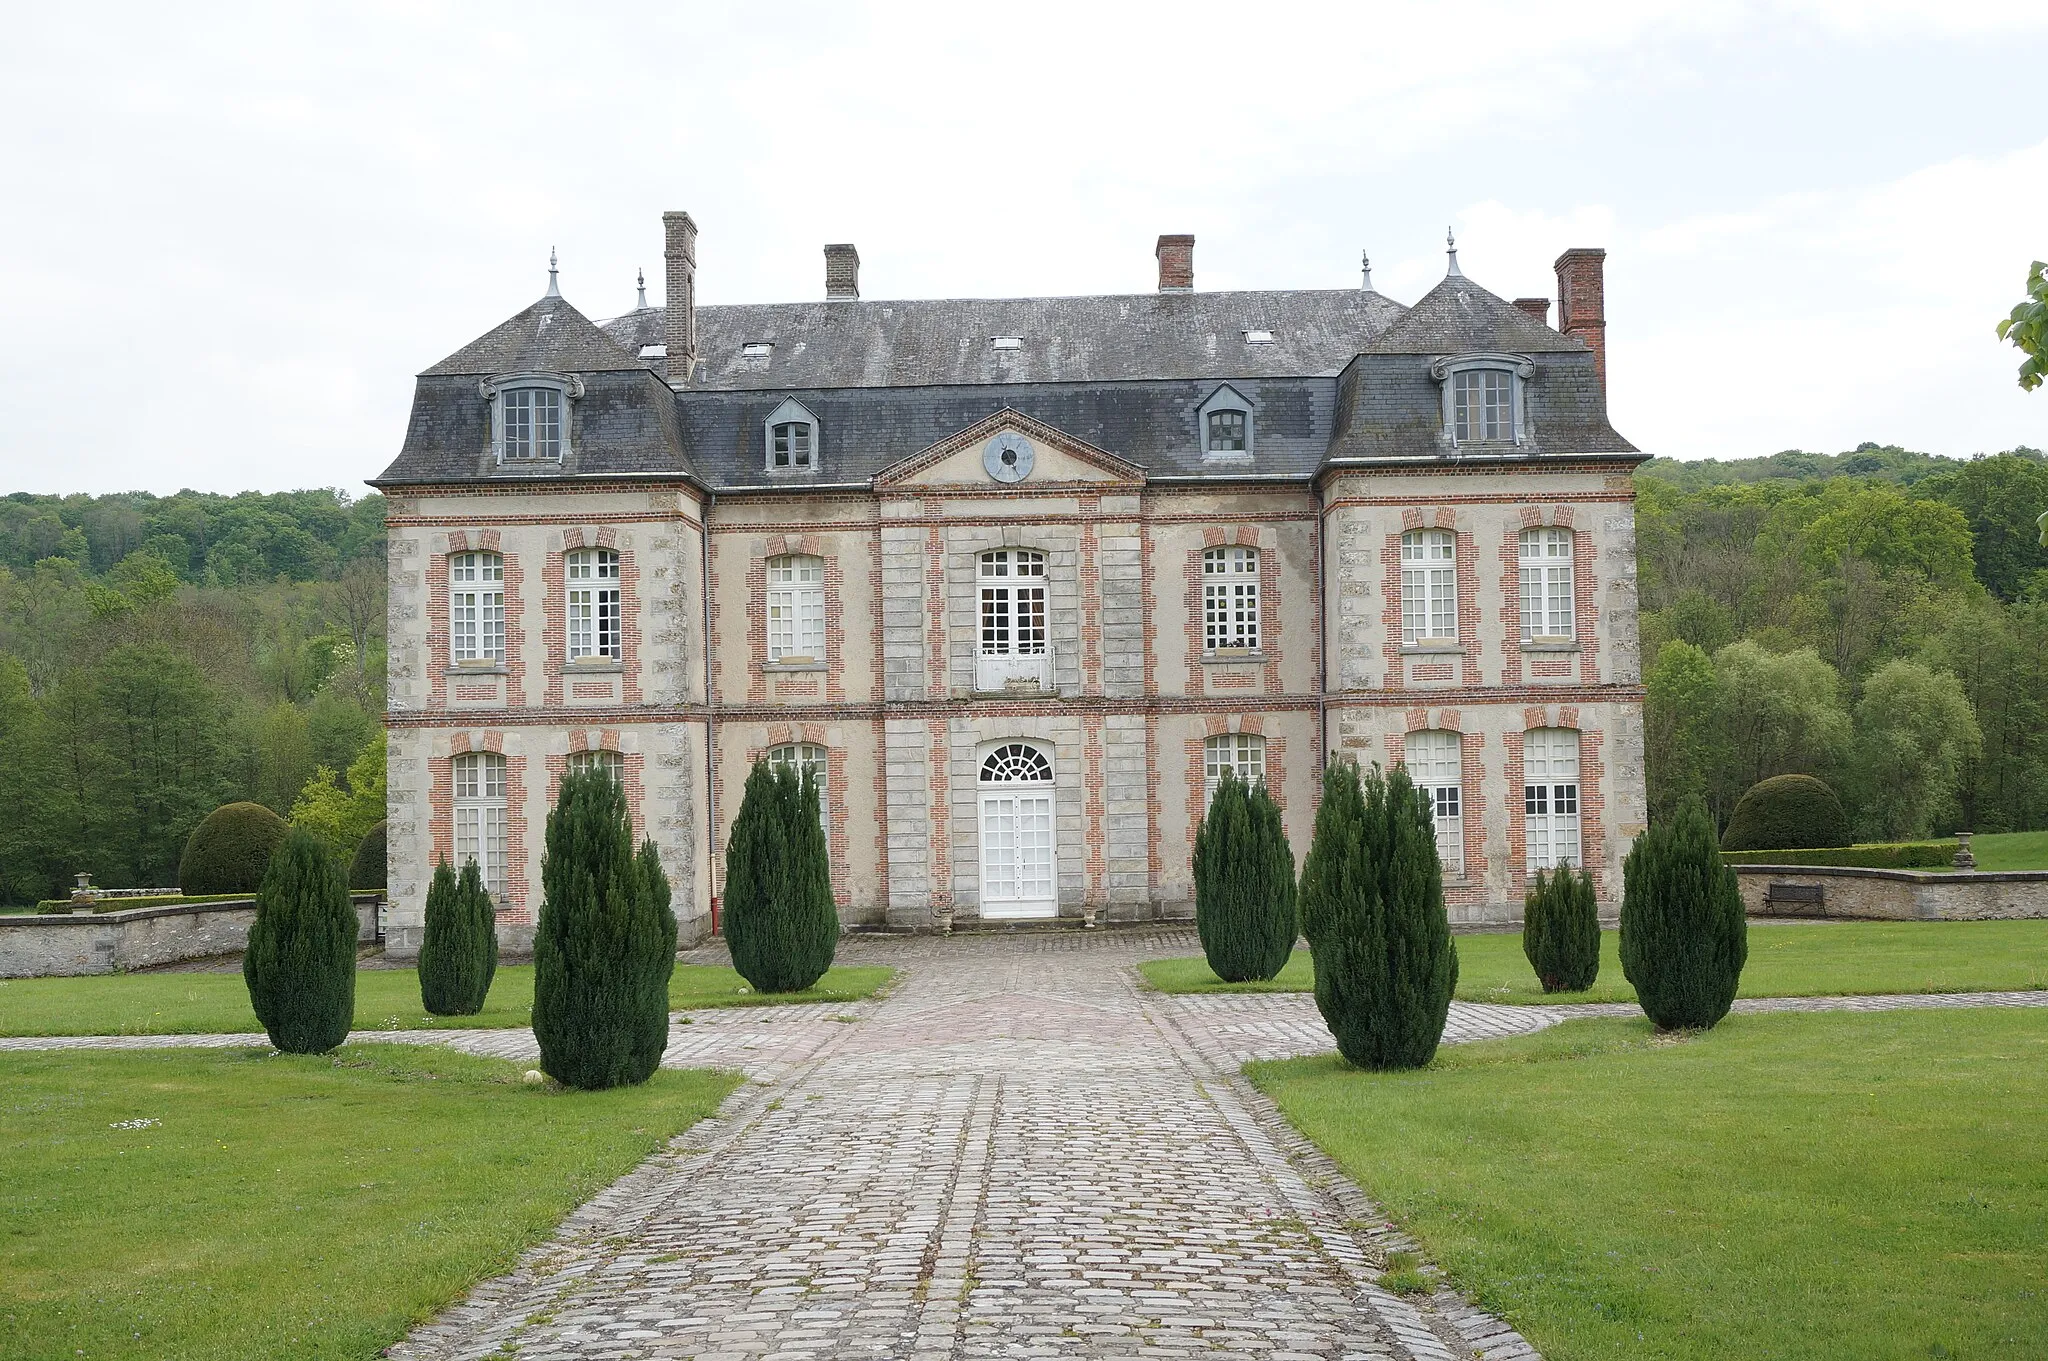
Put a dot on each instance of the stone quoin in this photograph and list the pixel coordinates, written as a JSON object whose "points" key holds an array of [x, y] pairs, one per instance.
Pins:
{"points": [[1018, 578]]}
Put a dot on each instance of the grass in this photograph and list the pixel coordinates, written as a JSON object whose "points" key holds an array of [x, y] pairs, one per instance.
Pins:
{"points": [[386, 999], [2011, 851], [286, 1206], [1796, 959], [1793, 1187]]}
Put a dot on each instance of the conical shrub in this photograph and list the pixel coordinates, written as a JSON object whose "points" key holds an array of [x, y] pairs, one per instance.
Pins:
{"points": [[1561, 930], [300, 964], [459, 956], [1244, 883], [780, 923], [1372, 905], [604, 947], [1684, 938]]}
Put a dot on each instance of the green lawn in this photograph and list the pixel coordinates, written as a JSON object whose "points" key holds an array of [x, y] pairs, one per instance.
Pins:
{"points": [[286, 1206], [1795, 1187], [2011, 851], [386, 999], [1795, 959]]}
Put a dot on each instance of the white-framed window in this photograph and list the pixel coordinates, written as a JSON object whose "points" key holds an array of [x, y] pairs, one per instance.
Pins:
{"points": [[1242, 753], [1547, 610], [1482, 405], [1230, 598], [796, 609], [531, 422], [790, 445], [1227, 430], [806, 758], [1435, 763], [480, 817], [593, 587], [476, 608], [1226, 425], [1017, 763], [1429, 586], [1550, 797], [610, 762], [1013, 603]]}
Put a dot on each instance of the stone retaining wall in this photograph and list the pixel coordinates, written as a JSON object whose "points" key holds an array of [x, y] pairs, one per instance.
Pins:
{"points": [[1891, 895], [114, 942]]}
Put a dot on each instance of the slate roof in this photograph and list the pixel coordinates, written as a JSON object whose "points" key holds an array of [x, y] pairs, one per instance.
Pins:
{"points": [[548, 337], [1460, 317]]}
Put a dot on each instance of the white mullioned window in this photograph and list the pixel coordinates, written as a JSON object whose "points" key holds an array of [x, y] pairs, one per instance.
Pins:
{"points": [[610, 762], [480, 816], [530, 420], [593, 586], [1483, 405], [476, 608], [796, 609], [1547, 610], [1230, 598], [1435, 762], [1429, 586], [790, 445], [1013, 603], [1550, 797], [806, 758], [1242, 753]]}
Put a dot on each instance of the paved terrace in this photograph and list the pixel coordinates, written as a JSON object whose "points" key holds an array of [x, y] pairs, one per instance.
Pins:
{"points": [[1018, 1153]]}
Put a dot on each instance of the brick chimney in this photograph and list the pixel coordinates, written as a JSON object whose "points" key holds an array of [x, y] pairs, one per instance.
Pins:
{"points": [[1538, 308], [680, 323], [1582, 302], [1176, 256], [842, 272]]}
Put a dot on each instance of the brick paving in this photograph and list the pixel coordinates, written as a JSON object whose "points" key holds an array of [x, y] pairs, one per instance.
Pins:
{"points": [[1018, 1153]]}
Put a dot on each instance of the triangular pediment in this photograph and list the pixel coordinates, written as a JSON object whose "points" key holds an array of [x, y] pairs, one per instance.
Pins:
{"points": [[970, 458]]}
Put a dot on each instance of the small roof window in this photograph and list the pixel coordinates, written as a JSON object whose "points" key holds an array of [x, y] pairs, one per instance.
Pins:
{"points": [[1258, 337], [757, 349], [654, 351], [1007, 342]]}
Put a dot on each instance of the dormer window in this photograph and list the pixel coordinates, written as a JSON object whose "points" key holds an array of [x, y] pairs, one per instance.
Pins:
{"points": [[1225, 426], [792, 439], [1483, 396], [1226, 432], [530, 416]]}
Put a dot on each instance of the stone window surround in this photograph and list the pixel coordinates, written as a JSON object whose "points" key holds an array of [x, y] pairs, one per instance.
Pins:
{"points": [[1520, 369], [493, 388]]}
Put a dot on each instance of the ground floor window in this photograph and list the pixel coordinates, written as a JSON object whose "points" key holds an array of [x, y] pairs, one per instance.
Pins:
{"points": [[1433, 758], [1242, 753], [1550, 797], [806, 758], [480, 817]]}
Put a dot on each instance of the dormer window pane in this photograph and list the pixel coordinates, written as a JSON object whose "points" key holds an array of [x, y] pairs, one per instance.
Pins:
{"points": [[793, 445], [533, 423], [1483, 405], [1226, 432]]}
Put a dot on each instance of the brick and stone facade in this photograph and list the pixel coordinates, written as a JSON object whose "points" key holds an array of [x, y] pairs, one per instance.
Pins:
{"points": [[1340, 436]]}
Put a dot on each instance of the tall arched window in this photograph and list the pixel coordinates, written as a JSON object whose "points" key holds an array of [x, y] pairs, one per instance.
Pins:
{"points": [[480, 816], [593, 587], [807, 758], [796, 609], [1429, 586], [1242, 753], [1435, 762], [1550, 797], [476, 609], [1546, 562], [1230, 599]]}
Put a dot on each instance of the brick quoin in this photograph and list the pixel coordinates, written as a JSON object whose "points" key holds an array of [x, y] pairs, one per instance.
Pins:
{"points": [[1092, 809], [1090, 574], [940, 764], [937, 673], [1584, 616], [1511, 596], [1467, 561]]}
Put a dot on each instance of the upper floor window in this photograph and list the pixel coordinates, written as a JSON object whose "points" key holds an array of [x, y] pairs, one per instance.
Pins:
{"points": [[1429, 586], [1230, 598], [593, 586], [1546, 561], [532, 422], [796, 609], [476, 608], [1226, 432], [1241, 753], [1435, 762], [480, 816], [792, 434], [1013, 602], [1225, 425], [1550, 797], [805, 758], [610, 762], [1483, 396]]}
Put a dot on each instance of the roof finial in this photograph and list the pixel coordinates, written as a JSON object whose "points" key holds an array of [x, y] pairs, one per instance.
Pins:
{"points": [[1452, 242], [1365, 264], [554, 289], [642, 306]]}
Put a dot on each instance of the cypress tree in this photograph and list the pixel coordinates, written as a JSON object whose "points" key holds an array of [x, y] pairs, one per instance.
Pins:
{"points": [[1244, 883], [301, 961], [1684, 938], [780, 922], [459, 956], [604, 947], [1561, 930], [1372, 903]]}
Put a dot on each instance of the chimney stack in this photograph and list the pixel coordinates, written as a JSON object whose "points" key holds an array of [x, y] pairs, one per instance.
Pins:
{"points": [[842, 273], [1538, 308], [1582, 302], [680, 322], [1176, 256]]}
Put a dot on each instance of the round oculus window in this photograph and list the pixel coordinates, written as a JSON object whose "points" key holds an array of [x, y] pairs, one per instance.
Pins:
{"points": [[1007, 457]]}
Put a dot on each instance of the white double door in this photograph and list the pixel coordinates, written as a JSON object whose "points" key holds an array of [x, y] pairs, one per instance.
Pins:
{"points": [[1018, 874]]}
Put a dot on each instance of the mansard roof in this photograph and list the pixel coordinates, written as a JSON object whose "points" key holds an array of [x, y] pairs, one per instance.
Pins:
{"points": [[1460, 317], [938, 342], [548, 337]]}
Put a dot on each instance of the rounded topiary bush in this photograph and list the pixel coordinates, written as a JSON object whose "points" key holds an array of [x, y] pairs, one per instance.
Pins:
{"points": [[230, 851], [780, 921], [1787, 813], [301, 962], [366, 870], [1244, 883], [1684, 938], [1561, 930]]}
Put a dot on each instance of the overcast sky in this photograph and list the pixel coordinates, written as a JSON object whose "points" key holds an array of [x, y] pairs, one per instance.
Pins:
{"points": [[232, 237]]}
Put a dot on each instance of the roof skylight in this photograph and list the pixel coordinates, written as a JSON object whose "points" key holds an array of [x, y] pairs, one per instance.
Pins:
{"points": [[757, 349], [1258, 337], [1007, 342]]}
